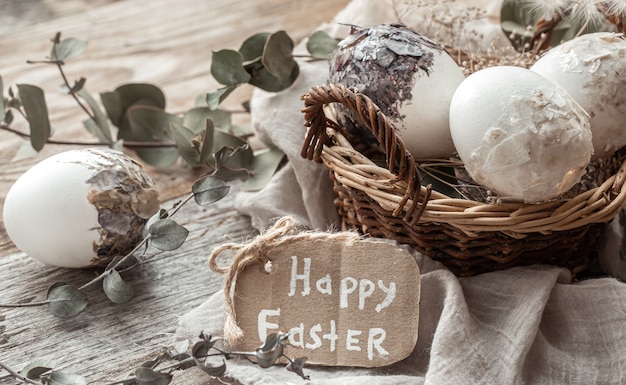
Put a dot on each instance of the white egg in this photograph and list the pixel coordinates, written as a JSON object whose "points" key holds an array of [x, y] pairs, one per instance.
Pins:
{"points": [[520, 135], [80, 208], [592, 68], [410, 77]]}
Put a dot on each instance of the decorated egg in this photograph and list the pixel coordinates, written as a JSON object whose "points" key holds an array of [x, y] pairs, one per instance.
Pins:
{"points": [[592, 68], [410, 77], [519, 134], [80, 208]]}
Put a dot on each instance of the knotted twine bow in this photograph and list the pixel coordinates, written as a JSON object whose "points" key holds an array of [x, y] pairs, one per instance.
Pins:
{"points": [[285, 230]]}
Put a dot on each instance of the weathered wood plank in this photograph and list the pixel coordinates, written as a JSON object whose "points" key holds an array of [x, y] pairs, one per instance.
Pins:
{"points": [[106, 341], [153, 41], [167, 43]]}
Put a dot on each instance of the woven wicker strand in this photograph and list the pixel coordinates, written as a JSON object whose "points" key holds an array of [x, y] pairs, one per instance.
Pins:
{"points": [[399, 160], [470, 237]]}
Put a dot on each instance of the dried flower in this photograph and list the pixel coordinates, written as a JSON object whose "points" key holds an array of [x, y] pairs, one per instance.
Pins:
{"points": [[585, 12], [580, 12], [615, 8]]}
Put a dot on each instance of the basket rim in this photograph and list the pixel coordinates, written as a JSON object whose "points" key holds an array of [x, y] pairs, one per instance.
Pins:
{"points": [[394, 191]]}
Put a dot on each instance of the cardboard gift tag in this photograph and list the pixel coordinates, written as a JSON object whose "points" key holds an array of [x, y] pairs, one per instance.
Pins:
{"points": [[343, 301]]}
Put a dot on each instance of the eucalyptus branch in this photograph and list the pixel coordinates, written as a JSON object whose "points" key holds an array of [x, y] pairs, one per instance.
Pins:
{"points": [[128, 143], [266, 356], [161, 232], [6, 127], [121, 262], [142, 123], [179, 205], [141, 244], [18, 376], [25, 304], [59, 65]]}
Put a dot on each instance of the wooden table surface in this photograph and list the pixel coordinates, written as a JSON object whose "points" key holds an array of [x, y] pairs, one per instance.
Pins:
{"points": [[167, 43]]}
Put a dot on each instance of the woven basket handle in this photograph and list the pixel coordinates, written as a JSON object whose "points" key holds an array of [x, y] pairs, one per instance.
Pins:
{"points": [[399, 160]]}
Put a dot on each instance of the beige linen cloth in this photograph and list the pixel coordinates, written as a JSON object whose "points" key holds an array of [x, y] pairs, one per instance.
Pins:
{"points": [[529, 325]]}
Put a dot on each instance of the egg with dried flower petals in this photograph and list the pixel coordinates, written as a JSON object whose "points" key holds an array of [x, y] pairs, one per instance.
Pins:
{"points": [[592, 68], [519, 134], [408, 76], [80, 208]]}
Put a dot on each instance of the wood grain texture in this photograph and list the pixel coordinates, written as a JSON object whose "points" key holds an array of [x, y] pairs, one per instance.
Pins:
{"points": [[167, 43]]}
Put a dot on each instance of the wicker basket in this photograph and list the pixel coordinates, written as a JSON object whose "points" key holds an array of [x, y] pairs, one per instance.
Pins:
{"points": [[468, 236]]}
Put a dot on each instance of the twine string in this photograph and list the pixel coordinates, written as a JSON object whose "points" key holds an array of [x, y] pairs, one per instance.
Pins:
{"points": [[285, 230]]}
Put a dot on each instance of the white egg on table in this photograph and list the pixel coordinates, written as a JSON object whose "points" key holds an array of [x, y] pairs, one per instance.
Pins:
{"points": [[408, 76], [80, 208], [519, 134], [592, 68]]}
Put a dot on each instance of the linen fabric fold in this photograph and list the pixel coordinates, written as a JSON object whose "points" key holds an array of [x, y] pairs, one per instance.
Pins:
{"points": [[525, 325]]}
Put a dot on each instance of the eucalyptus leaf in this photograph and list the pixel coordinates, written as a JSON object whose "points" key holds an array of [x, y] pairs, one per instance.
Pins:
{"points": [[252, 48], [297, 366], [271, 350], [65, 300], [13, 101], [241, 130], [67, 49], [209, 189], [149, 124], [195, 119], [200, 349], [242, 157], [227, 152], [184, 361], [278, 56], [126, 96], [144, 94], [167, 235], [320, 45], [158, 156], [78, 85], [215, 98], [36, 369], [34, 102], [263, 167], [112, 106], [148, 376], [103, 132], [92, 127], [199, 352], [151, 364], [118, 145], [233, 173], [207, 145], [129, 262], [60, 378], [162, 214], [8, 117], [185, 140], [215, 371], [227, 67], [25, 151], [266, 81], [116, 289]]}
